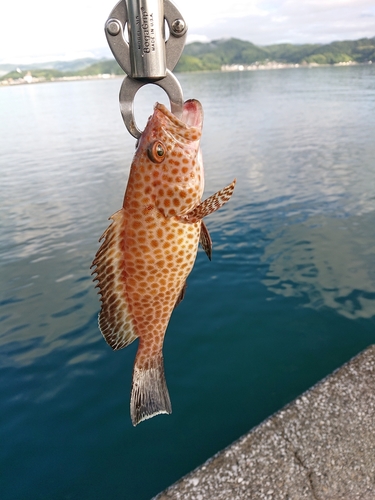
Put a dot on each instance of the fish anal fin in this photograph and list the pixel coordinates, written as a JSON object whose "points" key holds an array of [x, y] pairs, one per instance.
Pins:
{"points": [[115, 320], [205, 240], [181, 296], [149, 394], [210, 205]]}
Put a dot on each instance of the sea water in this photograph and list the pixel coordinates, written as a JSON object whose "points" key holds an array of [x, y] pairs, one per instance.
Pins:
{"points": [[288, 297]]}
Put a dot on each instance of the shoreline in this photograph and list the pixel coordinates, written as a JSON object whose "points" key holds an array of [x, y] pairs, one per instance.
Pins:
{"points": [[227, 68], [29, 79], [275, 65]]}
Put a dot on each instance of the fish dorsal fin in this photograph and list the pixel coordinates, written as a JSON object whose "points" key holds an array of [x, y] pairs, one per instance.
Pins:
{"points": [[114, 319], [213, 203], [205, 240]]}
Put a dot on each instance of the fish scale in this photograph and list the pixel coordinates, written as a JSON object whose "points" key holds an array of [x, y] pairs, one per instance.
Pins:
{"points": [[151, 246]]}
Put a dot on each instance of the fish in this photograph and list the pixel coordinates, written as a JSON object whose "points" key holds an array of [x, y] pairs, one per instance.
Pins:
{"points": [[150, 247]]}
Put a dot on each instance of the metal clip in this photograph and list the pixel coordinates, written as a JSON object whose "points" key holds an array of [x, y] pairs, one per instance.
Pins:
{"points": [[146, 57]]}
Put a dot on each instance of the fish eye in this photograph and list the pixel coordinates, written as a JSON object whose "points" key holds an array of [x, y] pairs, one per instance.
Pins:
{"points": [[156, 152]]}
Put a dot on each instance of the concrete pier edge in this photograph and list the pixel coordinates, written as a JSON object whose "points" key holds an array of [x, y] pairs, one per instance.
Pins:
{"points": [[321, 446]]}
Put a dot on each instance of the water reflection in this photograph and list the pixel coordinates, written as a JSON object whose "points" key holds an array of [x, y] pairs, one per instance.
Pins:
{"points": [[326, 260], [300, 222]]}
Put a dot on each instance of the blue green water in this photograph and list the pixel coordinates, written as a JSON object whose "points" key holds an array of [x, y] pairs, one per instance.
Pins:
{"points": [[288, 297]]}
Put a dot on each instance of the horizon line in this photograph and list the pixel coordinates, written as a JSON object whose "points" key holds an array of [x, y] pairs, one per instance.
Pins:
{"points": [[90, 53]]}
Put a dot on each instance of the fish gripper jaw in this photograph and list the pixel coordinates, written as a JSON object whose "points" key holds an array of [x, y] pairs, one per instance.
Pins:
{"points": [[146, 57]]}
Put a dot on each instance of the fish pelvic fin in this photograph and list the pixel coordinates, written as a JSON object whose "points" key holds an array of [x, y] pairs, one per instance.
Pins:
{"points": [[210, 205], [149, 394], [205, 240], [181, 295]]}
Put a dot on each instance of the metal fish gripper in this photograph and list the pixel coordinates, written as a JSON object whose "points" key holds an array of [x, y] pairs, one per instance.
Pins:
{"points": [[136, 35]]}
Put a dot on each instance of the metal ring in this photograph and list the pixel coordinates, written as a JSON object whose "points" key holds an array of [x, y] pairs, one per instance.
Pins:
{"points": [[130, 87]]}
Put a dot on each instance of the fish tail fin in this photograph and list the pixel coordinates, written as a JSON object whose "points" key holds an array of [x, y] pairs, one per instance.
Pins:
{"points": [[149, 395]]}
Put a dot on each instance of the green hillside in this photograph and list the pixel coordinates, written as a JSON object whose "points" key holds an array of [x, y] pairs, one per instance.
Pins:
{"points": [[213, 55], [360, 51], [208, 56], [108, 66], [47, 74]]}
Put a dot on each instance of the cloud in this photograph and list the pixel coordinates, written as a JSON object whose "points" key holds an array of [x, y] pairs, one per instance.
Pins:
{"points": [[293, 21], [197, 38], [42, 28]]}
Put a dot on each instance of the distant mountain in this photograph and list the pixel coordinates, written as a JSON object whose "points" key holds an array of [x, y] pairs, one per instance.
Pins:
{"points": [[106, 66], [74, 65], [79, 67], [211, 56], [199, 56]]}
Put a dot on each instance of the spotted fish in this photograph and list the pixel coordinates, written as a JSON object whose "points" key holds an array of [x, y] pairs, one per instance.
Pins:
{"points": [[150, 247]]}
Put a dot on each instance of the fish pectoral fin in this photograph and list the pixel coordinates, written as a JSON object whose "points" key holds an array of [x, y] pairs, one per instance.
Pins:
{"points": [[181, 296], [205, 240], [149, 395], [213, 203]]}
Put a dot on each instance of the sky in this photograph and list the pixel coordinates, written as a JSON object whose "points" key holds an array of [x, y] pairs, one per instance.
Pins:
{"points": [[38, 30]]}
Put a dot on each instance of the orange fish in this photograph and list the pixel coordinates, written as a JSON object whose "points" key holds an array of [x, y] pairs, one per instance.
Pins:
{"points": [[150, 248]]}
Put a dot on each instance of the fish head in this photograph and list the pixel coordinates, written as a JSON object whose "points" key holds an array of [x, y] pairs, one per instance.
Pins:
{"points": [[170, 154]]}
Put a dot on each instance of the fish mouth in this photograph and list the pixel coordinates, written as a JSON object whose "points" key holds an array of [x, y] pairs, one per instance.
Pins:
{"points": [[191, 116], [192, 113]]}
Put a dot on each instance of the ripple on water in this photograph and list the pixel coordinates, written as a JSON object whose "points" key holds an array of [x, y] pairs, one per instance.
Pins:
{"points": [[298, 231], [325, 261]]}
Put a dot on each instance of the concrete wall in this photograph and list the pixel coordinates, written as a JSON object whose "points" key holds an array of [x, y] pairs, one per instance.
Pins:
{"points": [[320, 446]]}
